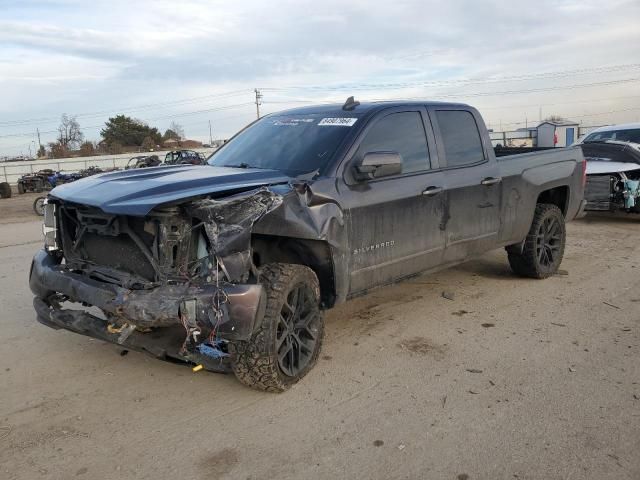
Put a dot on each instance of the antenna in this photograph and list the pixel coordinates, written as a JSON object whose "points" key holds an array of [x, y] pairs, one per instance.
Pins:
{"points": [[350, 104]]}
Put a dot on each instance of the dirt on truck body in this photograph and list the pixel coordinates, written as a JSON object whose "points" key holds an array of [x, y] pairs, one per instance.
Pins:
{"points": [[229, 265]]}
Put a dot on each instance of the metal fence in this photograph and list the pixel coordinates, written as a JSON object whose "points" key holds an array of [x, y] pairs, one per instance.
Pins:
{"points": [[12, 171], [527, 137]]}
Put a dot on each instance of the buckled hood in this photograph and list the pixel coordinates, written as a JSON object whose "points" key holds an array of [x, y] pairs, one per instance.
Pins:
{"points": [[136, 192]]}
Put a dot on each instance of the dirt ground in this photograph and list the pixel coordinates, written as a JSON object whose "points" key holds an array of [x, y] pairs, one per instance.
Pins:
{"points": [[512, 379], [18, 208]]}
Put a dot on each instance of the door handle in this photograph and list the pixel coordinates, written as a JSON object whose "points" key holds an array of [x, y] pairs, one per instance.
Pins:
{"points": [[432, 191], [491, 181]]}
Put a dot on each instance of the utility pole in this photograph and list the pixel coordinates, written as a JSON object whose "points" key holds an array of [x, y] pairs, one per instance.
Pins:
{"points": [[39, 143], [258, 102], [210, 137]]}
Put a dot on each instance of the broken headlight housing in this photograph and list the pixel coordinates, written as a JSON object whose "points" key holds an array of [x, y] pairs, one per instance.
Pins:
{"points": [[50, 227]]}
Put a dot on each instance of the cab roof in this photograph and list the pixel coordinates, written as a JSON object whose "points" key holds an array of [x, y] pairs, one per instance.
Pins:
{"points": [[364, 107]]}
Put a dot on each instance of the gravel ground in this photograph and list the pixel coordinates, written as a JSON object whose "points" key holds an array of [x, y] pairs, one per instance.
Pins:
{"points": [[511, 379]]}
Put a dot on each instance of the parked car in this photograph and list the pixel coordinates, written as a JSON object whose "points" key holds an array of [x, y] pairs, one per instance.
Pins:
{"points": [[613, 174], [143, 161], [626, 132], [184, 157], [230, 265]]}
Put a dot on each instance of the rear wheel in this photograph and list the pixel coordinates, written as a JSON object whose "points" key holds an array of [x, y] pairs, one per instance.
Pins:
{"points": [[5, 190], [21, 188], [544, 246], [287, 343]]}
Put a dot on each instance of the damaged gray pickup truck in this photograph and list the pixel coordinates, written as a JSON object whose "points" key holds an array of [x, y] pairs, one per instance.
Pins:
{"points": [[230, 265]]}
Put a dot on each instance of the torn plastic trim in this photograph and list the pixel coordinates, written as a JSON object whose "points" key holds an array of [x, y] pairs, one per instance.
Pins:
{"points": [[228, 224]]}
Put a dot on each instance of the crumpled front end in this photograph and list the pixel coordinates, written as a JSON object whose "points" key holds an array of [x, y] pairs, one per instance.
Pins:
{"points": [[177, 283]]}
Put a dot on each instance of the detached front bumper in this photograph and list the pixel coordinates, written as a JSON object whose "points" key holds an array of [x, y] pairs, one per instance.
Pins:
{"points": [[157, 307]]}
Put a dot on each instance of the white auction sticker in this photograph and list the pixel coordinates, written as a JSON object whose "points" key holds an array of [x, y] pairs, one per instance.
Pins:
{"points": [[337, 122]]}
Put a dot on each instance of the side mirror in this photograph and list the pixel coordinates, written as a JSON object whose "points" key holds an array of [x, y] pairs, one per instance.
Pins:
{"points": [[378, 164]]}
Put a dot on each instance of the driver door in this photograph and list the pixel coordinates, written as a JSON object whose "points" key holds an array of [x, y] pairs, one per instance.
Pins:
{"points": [[395, 223]]}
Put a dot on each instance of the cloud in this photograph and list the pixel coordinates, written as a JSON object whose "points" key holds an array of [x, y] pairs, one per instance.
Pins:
{"points": [[78, 57]]}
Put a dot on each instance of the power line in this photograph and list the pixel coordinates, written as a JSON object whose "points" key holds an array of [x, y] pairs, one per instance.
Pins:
{"points": [[586, 115], [497, 93], [150, 106], [447, 82]]}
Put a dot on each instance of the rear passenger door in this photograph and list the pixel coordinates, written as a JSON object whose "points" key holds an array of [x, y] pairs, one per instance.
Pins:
{"points": [[394, 223], [471, 180]]}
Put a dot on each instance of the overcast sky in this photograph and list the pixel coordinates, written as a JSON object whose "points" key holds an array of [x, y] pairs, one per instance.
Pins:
{"points": [[195, 61]]}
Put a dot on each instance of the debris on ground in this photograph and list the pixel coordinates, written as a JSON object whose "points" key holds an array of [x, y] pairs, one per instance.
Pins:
{"points": [[562, 272], [473, 392], [488, 325], [401, 447], [572, 369], [378, 443], [611, 305], [558, 324], [460, 313], [474, 370], [448, 295]]}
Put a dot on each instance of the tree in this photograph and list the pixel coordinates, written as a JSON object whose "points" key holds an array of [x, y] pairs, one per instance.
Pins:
{"points": [[115, 148], [58, 150], [148, 144], [170, 135], [128, 131], [42, 151], [555, 119], [69, 134], [178, 129], [87, 149]]}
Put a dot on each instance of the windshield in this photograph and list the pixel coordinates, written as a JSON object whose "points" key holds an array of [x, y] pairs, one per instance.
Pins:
{"points": [[293, 144], [628, 135]]}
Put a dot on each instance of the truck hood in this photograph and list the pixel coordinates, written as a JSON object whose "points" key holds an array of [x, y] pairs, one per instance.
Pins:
{"points": [[136, 192]]}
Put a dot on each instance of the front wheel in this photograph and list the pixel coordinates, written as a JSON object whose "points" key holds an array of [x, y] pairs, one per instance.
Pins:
{"points": [[544, 246], [38, 206], [287, 342]]}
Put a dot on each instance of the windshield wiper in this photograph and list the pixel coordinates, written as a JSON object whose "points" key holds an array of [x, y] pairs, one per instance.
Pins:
{"points": [[240, 165]]}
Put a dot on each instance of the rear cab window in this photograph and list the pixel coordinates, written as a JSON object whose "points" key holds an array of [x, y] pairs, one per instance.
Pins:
{"points": [[461, 139], [402, 133]]}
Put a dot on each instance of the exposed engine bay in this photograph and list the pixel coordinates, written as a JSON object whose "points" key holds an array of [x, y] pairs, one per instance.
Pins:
{"points": [[613, 176], [180, 264]]}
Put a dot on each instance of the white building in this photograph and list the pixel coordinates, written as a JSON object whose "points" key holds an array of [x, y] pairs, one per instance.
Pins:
{"points": [[557, 134]]}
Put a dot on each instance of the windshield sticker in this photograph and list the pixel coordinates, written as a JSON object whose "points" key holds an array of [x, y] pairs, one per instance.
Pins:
{"points": [[337, 122], [294, 122]]}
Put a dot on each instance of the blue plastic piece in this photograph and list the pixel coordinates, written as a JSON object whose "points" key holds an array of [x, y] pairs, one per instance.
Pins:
{"points": [[212, 351]]}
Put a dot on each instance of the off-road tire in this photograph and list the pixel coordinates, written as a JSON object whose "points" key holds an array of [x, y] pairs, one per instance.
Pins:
{"points": [[38, 206], [5, 190], [255, 362], [21, 188], [528, 263]]}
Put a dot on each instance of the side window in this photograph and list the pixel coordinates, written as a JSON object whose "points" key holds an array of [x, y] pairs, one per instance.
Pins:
{"points": [[402, 133], [460, 136]]}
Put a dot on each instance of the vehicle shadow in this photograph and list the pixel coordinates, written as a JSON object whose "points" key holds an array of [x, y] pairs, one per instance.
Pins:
{"points": [[495, 268], [610, 217]]}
